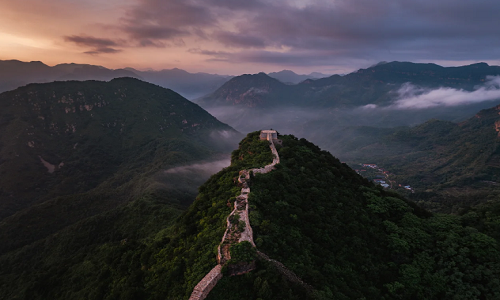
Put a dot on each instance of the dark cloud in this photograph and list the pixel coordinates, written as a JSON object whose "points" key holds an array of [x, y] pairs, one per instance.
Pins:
{"points": [[155, 36], [161, 23], [219, 55], [314, 32], [294, 58], [239, 40], [153, 32], [90, 41], [98, 45], [377, 30], [102, 50], [237, 5]]}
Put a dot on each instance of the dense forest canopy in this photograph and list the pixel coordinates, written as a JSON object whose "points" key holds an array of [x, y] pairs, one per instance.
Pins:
{"points": [[342, 235]]}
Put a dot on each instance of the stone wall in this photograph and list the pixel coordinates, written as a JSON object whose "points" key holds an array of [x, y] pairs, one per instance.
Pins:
{"points": [[289, 274], [231, 235], [240, 269], [208, 282]]}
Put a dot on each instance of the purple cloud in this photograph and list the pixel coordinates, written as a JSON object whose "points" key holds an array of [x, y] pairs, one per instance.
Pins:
{"points": [[90, 41], [160, 23], [315, 32], [102, 50], [239, 40], [98, 45]]}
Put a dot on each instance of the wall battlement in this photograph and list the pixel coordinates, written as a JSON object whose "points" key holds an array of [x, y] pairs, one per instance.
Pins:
{"points": [[232, 235], [208, 282]]}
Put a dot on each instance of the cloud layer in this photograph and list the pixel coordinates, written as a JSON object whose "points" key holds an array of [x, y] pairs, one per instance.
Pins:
{"points": [[340, 34], [354, 28], [413, 97]]}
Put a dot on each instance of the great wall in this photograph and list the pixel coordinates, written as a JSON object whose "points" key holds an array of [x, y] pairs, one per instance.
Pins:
{"points": [[238, 228]]}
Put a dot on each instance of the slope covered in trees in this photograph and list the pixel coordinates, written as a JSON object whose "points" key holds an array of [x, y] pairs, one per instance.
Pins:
{"points": [[86, 163], [343, 236], [68, 137], [350, 239], [450, 165]]}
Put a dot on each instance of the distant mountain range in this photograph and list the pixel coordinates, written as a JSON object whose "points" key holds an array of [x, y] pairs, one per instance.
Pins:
{"points": [[249, 90], [371, 97], [290, 77], [376, 85], [14, 73]]}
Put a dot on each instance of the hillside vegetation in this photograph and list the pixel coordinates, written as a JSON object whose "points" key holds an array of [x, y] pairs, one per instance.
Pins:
{"points": [[87, 163], [142, 249], [69, 137], [351, 240], [450, 165], [343, 236]]}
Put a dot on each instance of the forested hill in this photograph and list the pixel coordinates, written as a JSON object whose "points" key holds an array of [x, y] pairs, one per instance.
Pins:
{"points": [[351, 240], [72, 150], [450, 165], [256, 91], [68, 137], [343, 236]]}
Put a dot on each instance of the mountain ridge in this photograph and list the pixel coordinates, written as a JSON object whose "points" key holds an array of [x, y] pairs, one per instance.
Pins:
{"points": [[15, 73], [65, 145], [249, 90], [290, 77], [364, 86]]}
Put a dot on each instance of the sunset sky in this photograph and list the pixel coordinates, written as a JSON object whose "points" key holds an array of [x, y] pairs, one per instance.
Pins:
{"points": [[244, 36]]}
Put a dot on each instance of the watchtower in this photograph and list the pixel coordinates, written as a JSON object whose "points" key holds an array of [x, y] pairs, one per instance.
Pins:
{"points": [[268, 135]]}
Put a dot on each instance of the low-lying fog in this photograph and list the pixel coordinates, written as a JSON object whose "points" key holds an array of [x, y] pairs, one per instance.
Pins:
{"points": [[330, 128], [182, 182], [412, 105]]}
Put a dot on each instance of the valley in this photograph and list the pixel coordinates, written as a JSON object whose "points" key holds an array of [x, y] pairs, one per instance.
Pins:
{"points": [[116, 180]]}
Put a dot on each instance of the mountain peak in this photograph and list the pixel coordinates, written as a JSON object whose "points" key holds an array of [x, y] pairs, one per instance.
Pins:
{"points": [[283, 72], [479, 65], [290, 77], [251, 90], [37, 62]]}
